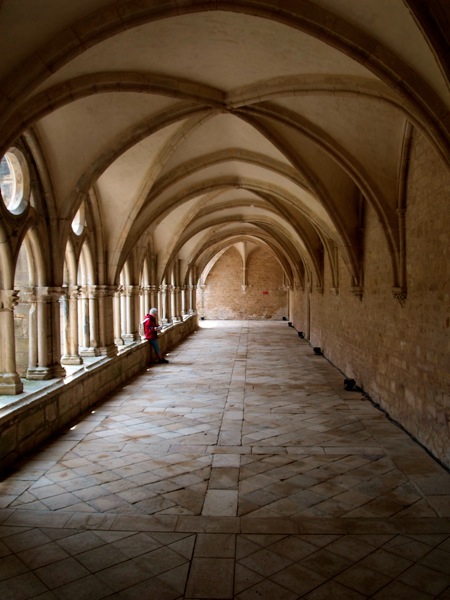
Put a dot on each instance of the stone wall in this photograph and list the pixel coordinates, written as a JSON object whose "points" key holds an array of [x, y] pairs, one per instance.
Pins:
{"points": [[264, 297], [399, 355], [33, 418]]}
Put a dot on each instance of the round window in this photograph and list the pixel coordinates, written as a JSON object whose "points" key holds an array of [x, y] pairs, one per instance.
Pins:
{"points": [[14, 180]]}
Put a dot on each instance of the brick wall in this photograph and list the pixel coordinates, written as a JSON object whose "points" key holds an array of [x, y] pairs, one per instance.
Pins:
{"points": [[265, 296], [399, 355]]}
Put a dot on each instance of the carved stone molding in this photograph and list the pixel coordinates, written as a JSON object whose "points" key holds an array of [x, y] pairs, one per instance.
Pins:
{"points": [[49, 294], [400, 295], [103, 291], [357, 290]]}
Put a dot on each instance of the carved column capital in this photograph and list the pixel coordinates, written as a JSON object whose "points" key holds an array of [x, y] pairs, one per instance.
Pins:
{"points": [[131, 290], [73, 292], [400, 295], [49, 294], [9, 299], [103, 291]]}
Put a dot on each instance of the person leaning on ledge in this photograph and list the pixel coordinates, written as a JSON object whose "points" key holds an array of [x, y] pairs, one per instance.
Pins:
{"points": [[151, 328]]}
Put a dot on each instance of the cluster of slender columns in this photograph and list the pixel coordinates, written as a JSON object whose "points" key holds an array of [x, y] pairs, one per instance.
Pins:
{"points": [[65, 324]]}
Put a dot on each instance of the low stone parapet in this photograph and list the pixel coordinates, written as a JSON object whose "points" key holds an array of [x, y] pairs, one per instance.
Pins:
{"points": [[28, 420]]}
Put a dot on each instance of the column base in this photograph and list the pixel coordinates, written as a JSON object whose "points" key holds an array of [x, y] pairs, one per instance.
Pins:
{"points": [[71, 360], [43, 373], [10, 384], [109, 351], [129, 338], [91, 351]]}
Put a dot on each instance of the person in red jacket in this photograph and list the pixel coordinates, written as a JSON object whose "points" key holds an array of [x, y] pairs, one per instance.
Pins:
{"points": [[151, 329]]}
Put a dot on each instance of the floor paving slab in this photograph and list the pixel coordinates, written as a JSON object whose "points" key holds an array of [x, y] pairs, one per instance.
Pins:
{"points": [[238, 470]]}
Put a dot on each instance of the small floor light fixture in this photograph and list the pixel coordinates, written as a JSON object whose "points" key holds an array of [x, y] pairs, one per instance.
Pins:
{"points": [[349, 384], [317, 351], [289, 324], [300, 334]]}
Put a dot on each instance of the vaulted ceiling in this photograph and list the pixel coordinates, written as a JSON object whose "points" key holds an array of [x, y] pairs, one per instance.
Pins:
{"points": [[203, 124]]}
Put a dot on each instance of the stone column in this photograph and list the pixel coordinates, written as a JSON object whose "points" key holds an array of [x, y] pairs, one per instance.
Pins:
{"points": [[192, 292], [190, 299], [10, 382], [176, 315], [173, 303], [48, 335], [32, 328], [69, 306], [117, 320], [64, 312], [154, 296], [131, 308], [87, 340], [83, 320], [163, 314], [184, 301], [93, 320], [202, 288], [179, 302], [287, 290], [146, 301], [106, 302], [308, 309], [28, 296], [123, 313]]}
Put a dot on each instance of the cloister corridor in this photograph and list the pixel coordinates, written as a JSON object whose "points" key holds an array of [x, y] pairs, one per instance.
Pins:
{"points": [[242, 469]]}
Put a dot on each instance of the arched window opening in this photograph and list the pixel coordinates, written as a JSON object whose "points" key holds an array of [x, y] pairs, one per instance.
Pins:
{"points": [[124, 283], [69, 311], [79, 221], [87, 313], [23, 311], [144, 303]]}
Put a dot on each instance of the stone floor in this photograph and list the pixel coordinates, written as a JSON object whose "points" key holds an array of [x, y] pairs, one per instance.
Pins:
{"points": [[243, 470]]}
